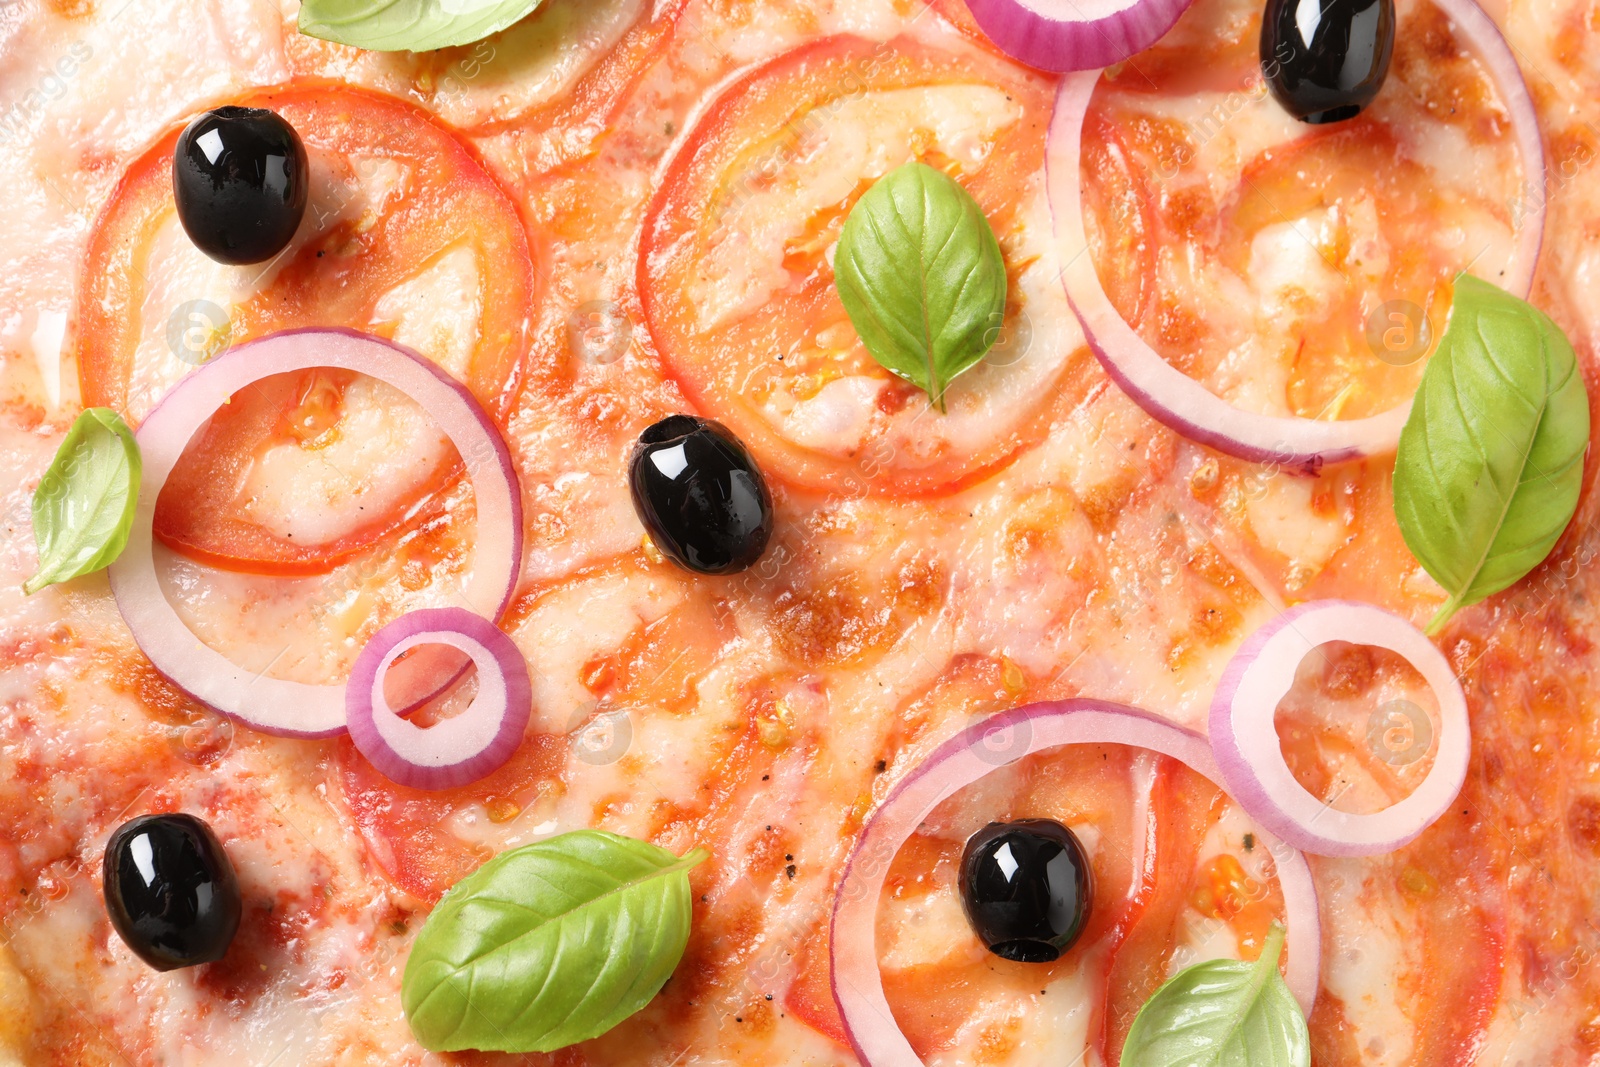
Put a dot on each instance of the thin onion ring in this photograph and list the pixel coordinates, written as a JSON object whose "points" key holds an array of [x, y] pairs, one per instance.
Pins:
{"points": [[857, 984], [463, 748], [1184, 404], [1250, 756], [273, 705]]}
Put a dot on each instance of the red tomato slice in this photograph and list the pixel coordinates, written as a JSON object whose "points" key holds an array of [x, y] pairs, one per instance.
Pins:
{"points": [[553, 84], [1184, 805], [403, 828], [810, 995], [571, 127], [334, 275], [1118, 212], [1081, 785], [957, 14], [1445, 891], [756, 359], [1330, 250]]}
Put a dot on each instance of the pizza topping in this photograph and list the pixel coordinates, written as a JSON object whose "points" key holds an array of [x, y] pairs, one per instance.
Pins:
{"points": [[968, 758], [259, 700], [1027, 888], [84, 505], [1250, 755], [1490, 465], [1326, 59], [736, 265], [1223, 1011], [240, 180], [170, 891], [550, 944], [699, 493], [406, 236], [1067, 35], [412, 25], [920, 273], [464, 747], [1320, 224]]}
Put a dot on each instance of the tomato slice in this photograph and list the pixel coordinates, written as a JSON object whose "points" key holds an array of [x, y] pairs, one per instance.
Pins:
{"points": [[571, 127], [553, 83], [957, 14], [1296, 271], [735, 264], [396, 198], [938, 991], [1348, 728], [1197, 887], [406, 830]]}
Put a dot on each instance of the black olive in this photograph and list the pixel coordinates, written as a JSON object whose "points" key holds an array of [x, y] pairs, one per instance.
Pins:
{"points": [[171, 891], [240, 179], [1026, 888], [699, 493], [1326, 59]]}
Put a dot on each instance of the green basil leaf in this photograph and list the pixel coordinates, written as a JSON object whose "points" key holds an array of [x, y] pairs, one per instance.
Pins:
{"points": [[409, 25], [85, 503], [920, 273], [548, 945], [1222, 1013], [1490, 462]]}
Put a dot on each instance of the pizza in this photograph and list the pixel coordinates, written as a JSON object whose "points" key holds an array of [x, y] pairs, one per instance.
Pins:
{"points": [[798, 532]]}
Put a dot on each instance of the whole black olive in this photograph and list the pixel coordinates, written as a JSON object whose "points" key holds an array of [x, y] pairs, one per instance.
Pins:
{"points": [[240, 178], [1026, 887], [699, 493], [1325, 60], [170, 891]]}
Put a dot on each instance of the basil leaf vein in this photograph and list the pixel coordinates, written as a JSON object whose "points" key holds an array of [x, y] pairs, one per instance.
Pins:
{"points": [[84, 505], [409, 25], [1222, 1013], [1490, 463], [549, 945], [920, 274]]}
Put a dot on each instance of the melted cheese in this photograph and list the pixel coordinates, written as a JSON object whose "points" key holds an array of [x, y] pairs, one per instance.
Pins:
{"points": [[16, 1012], [1366, 962], [862, 138], [1075, 564]]}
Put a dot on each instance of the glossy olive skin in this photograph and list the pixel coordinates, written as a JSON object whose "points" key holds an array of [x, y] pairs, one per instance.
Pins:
{"points": [[170, 891], [240, 179], [1027, 889], [1325, 60], [699, 493]]}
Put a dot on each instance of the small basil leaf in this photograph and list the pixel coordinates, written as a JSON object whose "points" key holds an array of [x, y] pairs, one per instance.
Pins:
{"points": [[409, 25], [1222, 1013], [549, 945], [85, 503], [920, 273], [1490, 462]]}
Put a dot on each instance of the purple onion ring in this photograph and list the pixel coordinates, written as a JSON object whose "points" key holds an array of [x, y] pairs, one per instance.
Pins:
{"points": [[1250, 756], [1069, 35], [463, 748], [274, 705]]}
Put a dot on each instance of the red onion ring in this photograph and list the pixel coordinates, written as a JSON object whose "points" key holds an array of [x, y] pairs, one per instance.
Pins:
{"points": [[1069, 35], [1250, 757], [461, 749], [1188, 407], [958, 763], [273, 705]]}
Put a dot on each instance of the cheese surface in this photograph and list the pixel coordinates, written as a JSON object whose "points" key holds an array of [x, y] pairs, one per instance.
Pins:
{"points": [[763, 715]]}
